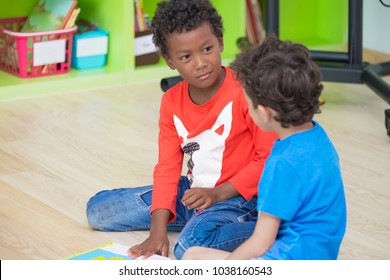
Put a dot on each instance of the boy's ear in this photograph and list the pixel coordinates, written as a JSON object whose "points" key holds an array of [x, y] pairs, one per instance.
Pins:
{"points": [[265, 113], [221, 45], [169, 62]]}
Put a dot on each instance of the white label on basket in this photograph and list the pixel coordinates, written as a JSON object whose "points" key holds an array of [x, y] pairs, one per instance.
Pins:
{"points": [[49, 52], [144, 45], [92, 46]]}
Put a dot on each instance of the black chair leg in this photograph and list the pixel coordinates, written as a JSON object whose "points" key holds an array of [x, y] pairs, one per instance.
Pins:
{"points": [[387, 121], [167, 83]]}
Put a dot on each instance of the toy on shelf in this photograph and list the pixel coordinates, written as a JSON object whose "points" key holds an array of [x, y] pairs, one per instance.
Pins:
{"points": [[90, 46]]}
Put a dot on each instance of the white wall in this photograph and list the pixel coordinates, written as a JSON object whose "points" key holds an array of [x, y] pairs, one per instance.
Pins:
{"points": [[376, 25]]}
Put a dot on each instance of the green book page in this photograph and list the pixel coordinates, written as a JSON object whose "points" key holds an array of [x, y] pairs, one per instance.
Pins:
{"points": [[48, 15]]}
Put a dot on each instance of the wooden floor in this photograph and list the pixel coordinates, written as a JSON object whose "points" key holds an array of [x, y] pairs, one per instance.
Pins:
{"points": [[58, 150]]}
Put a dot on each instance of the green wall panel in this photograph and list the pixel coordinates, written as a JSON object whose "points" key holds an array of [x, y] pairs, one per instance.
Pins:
{"points": [[319, 24]]}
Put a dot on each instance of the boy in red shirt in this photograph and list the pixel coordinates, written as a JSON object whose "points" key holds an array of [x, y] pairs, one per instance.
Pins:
{"points": [[205, 117]]}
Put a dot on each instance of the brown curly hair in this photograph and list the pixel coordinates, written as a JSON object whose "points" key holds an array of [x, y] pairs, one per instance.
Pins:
{"points": [[282, 76], [182, 16]]}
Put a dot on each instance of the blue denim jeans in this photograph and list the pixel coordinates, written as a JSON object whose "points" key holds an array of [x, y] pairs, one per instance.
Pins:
{"points": [[224, 225]]}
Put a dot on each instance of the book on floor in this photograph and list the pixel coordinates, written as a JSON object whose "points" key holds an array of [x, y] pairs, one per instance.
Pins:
{"points": [[110, 251]]}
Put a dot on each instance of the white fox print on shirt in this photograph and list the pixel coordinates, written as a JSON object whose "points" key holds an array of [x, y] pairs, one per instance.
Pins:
{"points": [[206, 149]]}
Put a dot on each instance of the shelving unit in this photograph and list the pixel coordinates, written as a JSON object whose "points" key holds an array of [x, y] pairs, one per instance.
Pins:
{"points": [[117, 18]]}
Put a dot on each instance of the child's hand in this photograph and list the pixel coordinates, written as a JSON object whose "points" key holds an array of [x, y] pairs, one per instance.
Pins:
{"points": [[199, 198], [202, 198], [149, 247]]}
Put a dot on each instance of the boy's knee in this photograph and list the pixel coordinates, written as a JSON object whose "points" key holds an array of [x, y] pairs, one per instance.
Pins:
{"points": [[118, 210], [98, 214], [93, 216]]}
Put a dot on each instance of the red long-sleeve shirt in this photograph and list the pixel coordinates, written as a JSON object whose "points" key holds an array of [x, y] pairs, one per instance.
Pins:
{"points": [[220, 138]]}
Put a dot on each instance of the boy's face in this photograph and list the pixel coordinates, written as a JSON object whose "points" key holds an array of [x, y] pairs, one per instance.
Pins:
{"points": [[196, 55]]}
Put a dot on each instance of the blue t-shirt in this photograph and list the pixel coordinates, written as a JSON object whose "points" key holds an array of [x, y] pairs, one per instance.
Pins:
{"points": [[302, 185]]}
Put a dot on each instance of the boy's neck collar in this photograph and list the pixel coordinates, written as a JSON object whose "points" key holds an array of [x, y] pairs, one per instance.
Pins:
{"points": [[287, 132]]}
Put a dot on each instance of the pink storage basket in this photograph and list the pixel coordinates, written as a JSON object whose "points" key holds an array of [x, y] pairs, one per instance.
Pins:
{"points": [[34, 54]]}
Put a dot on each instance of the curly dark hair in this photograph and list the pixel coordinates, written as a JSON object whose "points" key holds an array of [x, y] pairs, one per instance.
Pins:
{"points": [[282, 76], [182, 16]]}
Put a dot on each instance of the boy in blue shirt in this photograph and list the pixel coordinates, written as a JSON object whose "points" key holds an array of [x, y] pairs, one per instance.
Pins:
{"points": [[301, 203]]}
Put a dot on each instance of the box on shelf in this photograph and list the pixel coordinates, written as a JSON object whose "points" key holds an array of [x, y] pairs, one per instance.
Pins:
{"points": [[90, 49], [34, 54], [144, 49]]}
